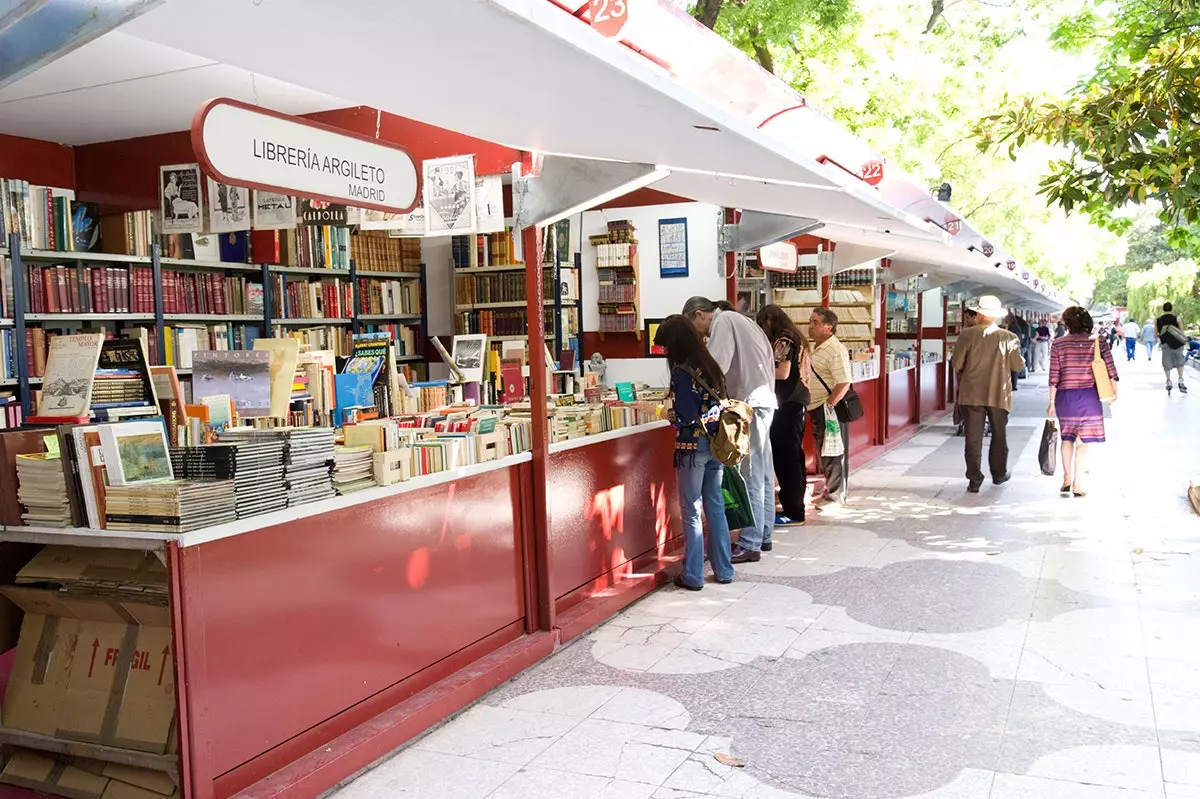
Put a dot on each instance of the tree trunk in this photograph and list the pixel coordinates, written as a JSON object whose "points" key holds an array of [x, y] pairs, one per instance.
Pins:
{"points": [[763, 55], [707, 12]]}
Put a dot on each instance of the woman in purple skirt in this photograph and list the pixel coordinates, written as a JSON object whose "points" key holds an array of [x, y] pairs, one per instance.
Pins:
{"points": [[1074, 399]]}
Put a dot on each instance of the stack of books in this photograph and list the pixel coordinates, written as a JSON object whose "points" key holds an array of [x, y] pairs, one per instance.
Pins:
{"points": [[307, 459], [255, 467], [42, 490], [352, 469], [170, 506]]}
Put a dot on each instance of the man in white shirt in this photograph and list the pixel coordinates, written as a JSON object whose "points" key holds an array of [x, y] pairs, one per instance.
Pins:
{"points": [[829, 385], [741, 349], [1131, 330]]}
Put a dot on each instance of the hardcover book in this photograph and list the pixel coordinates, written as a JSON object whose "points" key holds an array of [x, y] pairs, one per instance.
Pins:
{"points": [[135, 452], [245, 375], [70, 373]]}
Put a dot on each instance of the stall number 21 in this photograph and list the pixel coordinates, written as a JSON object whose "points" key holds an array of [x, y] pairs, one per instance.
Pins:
{"points": [[609, 16]]}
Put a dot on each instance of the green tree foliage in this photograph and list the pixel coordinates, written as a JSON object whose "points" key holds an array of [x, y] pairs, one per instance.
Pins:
{"points": [[1174, 282], [912, 77], [1131, 131], [1147, 246]]}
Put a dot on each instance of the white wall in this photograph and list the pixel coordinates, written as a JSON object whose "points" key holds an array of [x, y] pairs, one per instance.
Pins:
{"points": [[660, 297], [931, 309]]}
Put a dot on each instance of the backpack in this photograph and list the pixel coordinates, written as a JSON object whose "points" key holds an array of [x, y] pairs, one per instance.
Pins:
{"points": [[731, 443]]}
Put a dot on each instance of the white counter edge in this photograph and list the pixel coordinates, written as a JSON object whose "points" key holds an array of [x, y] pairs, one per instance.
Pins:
{"points": [[611, 435], [128, 539]]}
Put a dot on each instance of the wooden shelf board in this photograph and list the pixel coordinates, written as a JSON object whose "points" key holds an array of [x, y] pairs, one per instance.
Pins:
{"points": [[307, 270], [392, 275], [89, 317], [311, 322], [91, 257], [483, 270], [231, 266], [44, 743]]}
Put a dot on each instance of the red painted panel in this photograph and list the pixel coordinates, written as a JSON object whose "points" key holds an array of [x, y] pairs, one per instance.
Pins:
{"points": [[862, 432], [930, 389], [40, 162], [610, 502], [902, 391], [614, 345], [123, 175], [642, 197], [291, 625]]}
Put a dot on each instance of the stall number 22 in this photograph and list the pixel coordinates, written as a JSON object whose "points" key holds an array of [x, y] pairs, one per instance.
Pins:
{"points": [[609, 16]]}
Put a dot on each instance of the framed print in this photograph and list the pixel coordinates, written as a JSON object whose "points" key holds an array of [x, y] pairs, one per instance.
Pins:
{"points": [[650, 330], [672, 248]]}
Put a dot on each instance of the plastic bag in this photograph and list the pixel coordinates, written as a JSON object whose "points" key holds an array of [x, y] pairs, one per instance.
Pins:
{"points": [[832, 446], [1048, 449], [738, 513]]}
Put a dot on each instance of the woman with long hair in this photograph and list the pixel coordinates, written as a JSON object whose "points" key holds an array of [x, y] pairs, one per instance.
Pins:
{"points": [[697, 387], [1074, 398], [792, 371]]}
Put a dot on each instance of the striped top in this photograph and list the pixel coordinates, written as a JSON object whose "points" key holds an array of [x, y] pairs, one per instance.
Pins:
{"points": [[1071, 361]]}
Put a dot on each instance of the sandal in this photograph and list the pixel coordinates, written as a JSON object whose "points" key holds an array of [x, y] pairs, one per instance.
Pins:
{"points": [[1066, 489]]}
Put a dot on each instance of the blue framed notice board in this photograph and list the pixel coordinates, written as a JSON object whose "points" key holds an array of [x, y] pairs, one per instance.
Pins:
{"points": [[672, 248]]}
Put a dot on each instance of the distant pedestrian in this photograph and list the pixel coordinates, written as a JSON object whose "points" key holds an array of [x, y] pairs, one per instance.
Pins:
{"points": [[742, 351], [1060, 329], [1131, 331], [1041, 347], [985, 358], [1149, 337], [1174, 347], [1074, 397]]}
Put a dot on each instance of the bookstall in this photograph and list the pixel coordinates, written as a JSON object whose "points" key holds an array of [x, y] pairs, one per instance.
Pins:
{"points": [[373, 497]]}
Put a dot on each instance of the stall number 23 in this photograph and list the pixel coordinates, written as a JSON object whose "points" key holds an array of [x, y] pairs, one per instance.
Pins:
{"points": [[609, 16]]}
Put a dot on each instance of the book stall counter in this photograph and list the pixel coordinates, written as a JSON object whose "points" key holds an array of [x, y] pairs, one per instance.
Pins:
{"points": [[901, 399], [346, 607], [933, 376], [613, 509]]}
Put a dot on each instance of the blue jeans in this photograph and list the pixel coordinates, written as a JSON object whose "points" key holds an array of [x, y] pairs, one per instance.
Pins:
{"points": [[1130, 347], [700, 484], [759, 470]]}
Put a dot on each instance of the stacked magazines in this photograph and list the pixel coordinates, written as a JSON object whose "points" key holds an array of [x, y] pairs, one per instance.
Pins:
{"points": [[352, 469], [255, 467], [170, 506], [307, 459], [42, 490]]}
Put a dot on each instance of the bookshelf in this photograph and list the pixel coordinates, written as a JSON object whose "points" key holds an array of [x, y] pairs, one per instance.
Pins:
{"points": [[618, 300], [201, 290]]}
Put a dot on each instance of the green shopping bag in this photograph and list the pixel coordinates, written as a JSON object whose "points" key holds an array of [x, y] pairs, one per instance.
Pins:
{"points": [[737, 500]]}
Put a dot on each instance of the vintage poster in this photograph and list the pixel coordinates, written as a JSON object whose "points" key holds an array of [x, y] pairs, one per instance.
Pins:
{"points": [[228, 207], [180, 198], [672, 248], [469, 352], [412, 225], [489, 204], [244, 375], [274, 211], [319, 212], [70, 371], [449, 195], [370, 219]]}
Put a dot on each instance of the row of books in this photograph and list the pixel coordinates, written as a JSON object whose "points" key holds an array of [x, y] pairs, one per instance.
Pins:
{"points": [[613, 255], [619, 290], [11, 413], [41, 215], [619, 318], [503, 287], [483, 249], [90, 289], [9, 354], [209, 293], [389, 296], [327, 298], [405, 337], [805, 277], [375, 251], [504, 322], [184, 341]]}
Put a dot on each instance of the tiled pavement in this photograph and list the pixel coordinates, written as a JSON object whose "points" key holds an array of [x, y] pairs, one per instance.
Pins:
{"points": [[920, 643]]}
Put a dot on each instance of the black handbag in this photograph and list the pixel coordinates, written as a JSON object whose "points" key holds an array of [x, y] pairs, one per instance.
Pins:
{"points": [[850, 408], [1048, 449]]}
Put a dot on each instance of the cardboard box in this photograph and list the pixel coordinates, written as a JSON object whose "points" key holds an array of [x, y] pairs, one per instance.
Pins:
{"points": [[94, 669], [81, 778], [72, 778], [95, 570]]}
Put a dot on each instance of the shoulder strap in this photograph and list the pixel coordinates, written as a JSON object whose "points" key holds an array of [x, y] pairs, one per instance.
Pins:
{"points": [[696, 376], [817, 375]]}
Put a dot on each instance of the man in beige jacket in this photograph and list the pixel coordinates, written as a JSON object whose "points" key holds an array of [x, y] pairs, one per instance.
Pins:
{"points": [[985, 358]]}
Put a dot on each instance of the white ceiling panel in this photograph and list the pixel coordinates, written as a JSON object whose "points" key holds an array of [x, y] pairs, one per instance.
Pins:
{"points": [[518, 72], [827, 205], [142, 106], [111, 58]]}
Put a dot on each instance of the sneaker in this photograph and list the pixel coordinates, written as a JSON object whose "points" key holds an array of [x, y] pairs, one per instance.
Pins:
{"points": [[787, 521]]}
